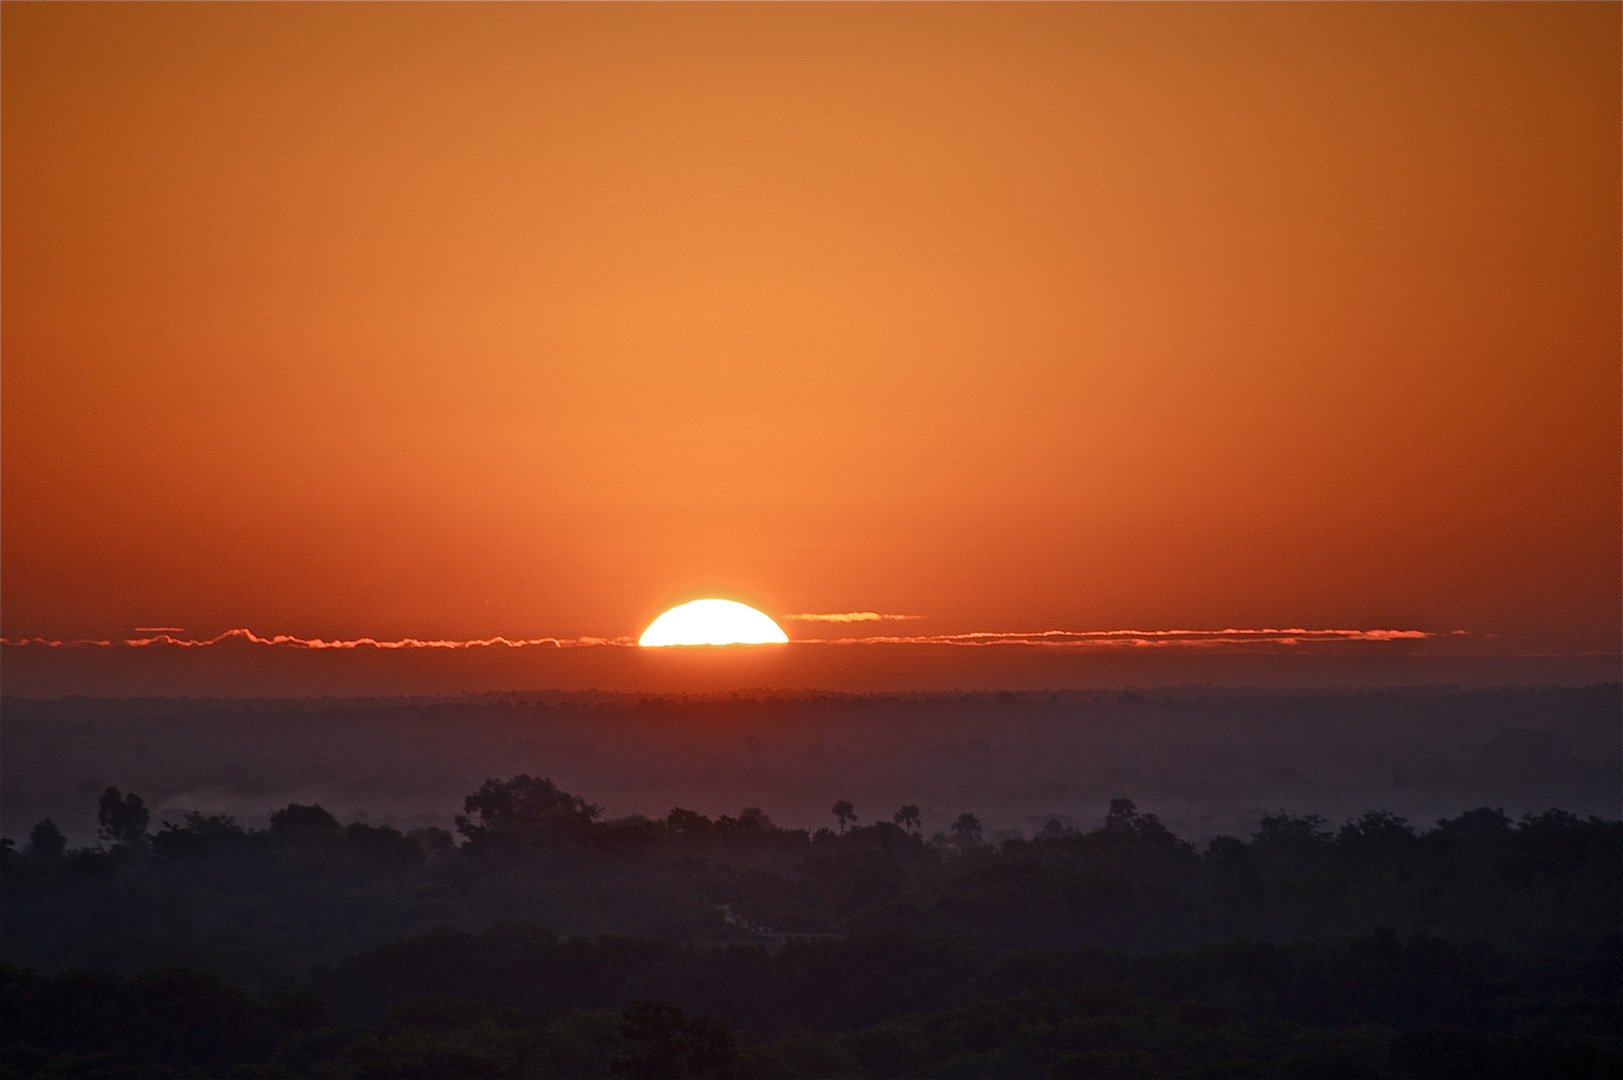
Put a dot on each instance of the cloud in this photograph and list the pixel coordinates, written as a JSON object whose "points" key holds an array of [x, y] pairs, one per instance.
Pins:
{"points": [[1139, 638], [852, 616], [292, 642], [1102, 639]]}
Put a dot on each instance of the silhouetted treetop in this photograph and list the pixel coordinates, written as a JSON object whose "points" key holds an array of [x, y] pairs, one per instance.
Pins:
{"points": [[688, 822], [200, 835], [523, 809], [966, 831], [47, 841], [1123, 820], [302, 822], [123, 818], [1287, 838], [1483, 823]]}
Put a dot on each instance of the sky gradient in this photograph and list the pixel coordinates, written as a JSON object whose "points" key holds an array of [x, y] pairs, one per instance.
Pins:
{"points": [[463, 321]]}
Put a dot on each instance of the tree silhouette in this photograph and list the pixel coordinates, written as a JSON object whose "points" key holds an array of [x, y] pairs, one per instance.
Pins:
{"points": [[845, 812], [303, 822], [523, 808], [966, 831], [1285, 840], [47, 841], [907, 817], [1122, 815], [123, 817], [688, 822], [202, 834]]}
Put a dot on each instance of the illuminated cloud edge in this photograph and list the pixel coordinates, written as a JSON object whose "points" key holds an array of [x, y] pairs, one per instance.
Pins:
{"points": [[1043, 638], [850, 617]]}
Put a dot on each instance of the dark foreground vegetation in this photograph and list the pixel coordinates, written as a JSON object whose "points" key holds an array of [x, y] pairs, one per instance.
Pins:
{"points": [[1481, 947], [1368, 1007]]}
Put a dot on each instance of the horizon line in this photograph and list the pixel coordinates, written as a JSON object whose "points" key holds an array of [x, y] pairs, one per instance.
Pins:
{"points": [[1291, 636]]}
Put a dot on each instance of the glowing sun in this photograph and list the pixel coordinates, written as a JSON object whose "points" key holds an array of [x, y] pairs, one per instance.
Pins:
{"points": [[711, 622]]}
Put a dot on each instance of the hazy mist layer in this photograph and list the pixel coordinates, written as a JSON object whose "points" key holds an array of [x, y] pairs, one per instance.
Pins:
{"points": [[1209, 761]]}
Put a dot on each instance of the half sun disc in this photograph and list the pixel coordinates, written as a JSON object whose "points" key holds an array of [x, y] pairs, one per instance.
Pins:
{"points": [[712, 622]]}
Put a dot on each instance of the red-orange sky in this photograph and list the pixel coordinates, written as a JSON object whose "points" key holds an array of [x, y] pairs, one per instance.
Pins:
{"points": [[464, 320]]}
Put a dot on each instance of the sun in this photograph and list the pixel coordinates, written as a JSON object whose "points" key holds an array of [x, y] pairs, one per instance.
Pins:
{"points": [[712, 622]]}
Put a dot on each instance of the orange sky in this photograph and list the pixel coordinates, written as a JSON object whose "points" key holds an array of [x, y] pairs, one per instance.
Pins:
{"points": [[463, 320]]}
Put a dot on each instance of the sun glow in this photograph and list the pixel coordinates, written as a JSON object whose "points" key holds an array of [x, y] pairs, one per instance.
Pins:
{"points": [[712, 622]]}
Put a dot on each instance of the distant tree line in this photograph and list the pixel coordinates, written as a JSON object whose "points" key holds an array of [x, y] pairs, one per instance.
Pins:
{"points": [[1482, 946], [1131, 882]]}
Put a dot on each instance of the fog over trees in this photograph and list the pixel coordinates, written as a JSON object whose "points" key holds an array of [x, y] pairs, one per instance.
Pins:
{"points": [[943, 925], [1207, 761]]}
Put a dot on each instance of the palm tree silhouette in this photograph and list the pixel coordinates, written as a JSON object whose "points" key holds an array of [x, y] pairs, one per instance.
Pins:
{"points": [[907, 817], [845, 812]]}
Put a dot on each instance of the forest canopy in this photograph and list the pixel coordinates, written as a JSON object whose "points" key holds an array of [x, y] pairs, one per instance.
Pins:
{"points": [[730, 946]]}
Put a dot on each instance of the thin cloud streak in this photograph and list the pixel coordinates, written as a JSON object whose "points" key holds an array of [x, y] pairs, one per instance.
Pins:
{"points": [[290, 641], [1137, 638], [851, 616], [1041, 638]]}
